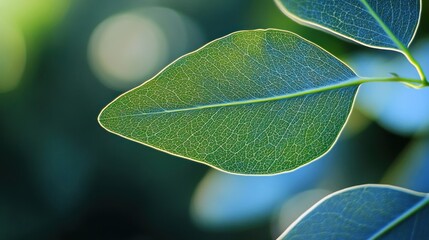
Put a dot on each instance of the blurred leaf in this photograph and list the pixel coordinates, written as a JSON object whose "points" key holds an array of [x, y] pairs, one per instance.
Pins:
{"points": [[13, 53], [296, 206], [356, 123], [365, 212], [396, 107], [248, 103], [20, 220], [377, 24], [410, 171], [34, 15], [225, 201]]}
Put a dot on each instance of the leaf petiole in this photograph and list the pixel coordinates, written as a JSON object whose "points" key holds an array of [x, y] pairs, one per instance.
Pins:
{"points": [[413, 61], [413, 83], [410, 82]]}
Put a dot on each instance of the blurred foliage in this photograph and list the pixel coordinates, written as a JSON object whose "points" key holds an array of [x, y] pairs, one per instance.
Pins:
{"points": [[63, 177]]}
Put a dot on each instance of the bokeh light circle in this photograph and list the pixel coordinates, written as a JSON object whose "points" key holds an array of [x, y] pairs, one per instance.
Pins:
{"points": [[125, 49], [131, 47]]}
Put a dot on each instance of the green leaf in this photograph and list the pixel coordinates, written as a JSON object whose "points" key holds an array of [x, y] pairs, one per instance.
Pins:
{"points": [[253, 102], [365, 212], [387, 24]]}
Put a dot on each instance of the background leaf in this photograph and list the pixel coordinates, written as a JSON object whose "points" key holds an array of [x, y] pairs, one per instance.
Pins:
{"points": [[226, 201], [365, 212], [353, 20], [410, 170], [240, 104]]}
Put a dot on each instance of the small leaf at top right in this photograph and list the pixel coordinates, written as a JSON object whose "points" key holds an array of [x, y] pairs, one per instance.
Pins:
{"points": [[383, 24]]}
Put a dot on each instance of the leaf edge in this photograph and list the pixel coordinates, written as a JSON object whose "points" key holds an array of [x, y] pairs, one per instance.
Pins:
{"points": [[332, 195], [352, 106], [317, 26]]}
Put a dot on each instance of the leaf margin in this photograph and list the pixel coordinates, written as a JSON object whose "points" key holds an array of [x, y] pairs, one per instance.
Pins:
{"points": [[332, 195], [352, 105], [317, 26]]}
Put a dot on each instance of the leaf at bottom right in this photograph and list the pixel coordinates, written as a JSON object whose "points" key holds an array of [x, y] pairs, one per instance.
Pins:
{"points": [[365, 212]]}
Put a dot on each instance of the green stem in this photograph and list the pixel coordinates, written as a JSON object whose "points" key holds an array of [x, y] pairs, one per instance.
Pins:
{"points": [[416, 65], [403, 49], [414, 83]]}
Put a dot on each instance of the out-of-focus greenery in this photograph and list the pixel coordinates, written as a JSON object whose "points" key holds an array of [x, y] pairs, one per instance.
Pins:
{"points": [[64, 177]]}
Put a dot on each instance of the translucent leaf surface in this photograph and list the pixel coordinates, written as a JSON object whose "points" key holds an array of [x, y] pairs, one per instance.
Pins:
{"points": [[248, 103], [368, 22], [365, 212]]}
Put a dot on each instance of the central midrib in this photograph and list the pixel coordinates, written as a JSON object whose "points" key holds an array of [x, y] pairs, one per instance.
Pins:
{"points": [[349, 83], [413, 210], [383, 25]]}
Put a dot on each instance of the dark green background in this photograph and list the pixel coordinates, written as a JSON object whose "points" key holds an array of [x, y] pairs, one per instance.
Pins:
{"points": [[63, 177]]}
